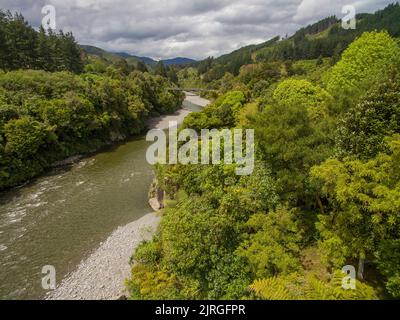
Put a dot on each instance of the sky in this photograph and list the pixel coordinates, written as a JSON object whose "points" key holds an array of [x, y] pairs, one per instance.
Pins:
{"points": [[183, 28]]}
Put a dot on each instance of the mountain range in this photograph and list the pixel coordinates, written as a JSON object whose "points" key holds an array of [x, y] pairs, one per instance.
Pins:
{"points": [[132, 59]]}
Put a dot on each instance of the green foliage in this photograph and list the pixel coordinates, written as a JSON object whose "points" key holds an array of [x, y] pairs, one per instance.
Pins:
{"points": [[46, 117], [160, 69], [364, 197], [327, 38], [364, 62], [303, 93], [214, 69], [221, 232], [152, 284], [312, 70], [24, 48], [388, 260], [201, 232], [223, 113], [196, 220], [362, 129], [197, 242], [23, 84], [292, 143], [24, 136], [148, 252], [300, 287], [272, 246]]}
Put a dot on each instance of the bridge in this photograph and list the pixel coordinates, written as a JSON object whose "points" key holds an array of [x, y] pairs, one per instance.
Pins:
{"points": [[190, 89]]}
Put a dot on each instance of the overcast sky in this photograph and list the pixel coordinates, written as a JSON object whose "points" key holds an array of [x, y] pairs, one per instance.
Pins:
{"points": [[189, 28]]}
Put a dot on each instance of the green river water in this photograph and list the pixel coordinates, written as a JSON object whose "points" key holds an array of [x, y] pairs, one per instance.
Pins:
{"points": [[61, 217]]}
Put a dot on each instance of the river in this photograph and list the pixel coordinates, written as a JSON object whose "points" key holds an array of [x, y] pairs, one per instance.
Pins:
{"points": [[62, 216]]}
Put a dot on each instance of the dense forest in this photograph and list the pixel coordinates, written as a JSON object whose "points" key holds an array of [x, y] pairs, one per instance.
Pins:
{"points": [[325, 191], [56, 101]]}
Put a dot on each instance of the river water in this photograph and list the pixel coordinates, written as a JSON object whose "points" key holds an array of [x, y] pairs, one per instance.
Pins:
{"points": [[60, 218]]}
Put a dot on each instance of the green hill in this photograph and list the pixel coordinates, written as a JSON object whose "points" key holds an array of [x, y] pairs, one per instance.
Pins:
{"points": [[113, 57], [325, 38]]}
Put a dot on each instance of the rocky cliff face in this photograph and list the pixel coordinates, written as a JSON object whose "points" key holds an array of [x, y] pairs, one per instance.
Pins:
{"points": [[156, 196]]}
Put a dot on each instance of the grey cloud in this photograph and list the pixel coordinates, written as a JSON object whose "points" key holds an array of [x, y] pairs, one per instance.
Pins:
{"points": [[192, 28]]}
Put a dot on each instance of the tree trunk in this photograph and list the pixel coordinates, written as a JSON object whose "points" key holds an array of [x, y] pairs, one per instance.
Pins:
{"points": [[360, 272], [320, 205]]}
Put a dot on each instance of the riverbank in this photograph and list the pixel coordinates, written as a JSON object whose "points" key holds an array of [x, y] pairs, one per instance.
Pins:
{"points": [[196, 100], [101, 276], [163, 122]]}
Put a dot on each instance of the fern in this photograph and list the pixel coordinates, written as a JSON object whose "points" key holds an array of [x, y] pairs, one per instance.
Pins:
{"points": [[309, 287], [271, 289]]}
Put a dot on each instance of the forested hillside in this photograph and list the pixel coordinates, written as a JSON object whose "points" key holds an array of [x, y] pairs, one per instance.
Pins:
{"points": [[70, 104], [101, 61], [322, 39], [325, 191]]}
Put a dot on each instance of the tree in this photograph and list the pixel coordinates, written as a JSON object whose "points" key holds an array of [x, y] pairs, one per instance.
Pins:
{"points": [[361, 131], [388, 260], [224, 112], [70, 53], [172, 76], [21, 47], [205, 65], [273, 244], [123, 67], [43, 50], [306, 94], [141, 66], [160, 69], [20, 42], [4, 49], [364, 62], [291, 143], [24, 136], [73, 117], [364, 201]]}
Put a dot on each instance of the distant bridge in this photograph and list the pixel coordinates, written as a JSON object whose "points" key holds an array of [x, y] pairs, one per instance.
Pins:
{"points": [[190, 89]]}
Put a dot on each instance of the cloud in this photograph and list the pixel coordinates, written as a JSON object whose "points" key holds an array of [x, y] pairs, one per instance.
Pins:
{"points": [[314, 10], [191, 28]]}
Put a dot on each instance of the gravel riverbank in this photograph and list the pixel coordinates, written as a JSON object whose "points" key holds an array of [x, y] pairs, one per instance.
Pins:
{"points": [[163, 122], [102, 275], [195, 99]]}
